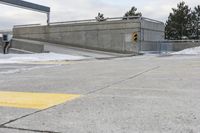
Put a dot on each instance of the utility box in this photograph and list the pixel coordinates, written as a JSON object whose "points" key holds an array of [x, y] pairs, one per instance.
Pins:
{"points": [[6, 37]]}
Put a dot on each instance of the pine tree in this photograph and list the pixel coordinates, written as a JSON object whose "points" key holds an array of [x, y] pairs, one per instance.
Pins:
{"points": [[192, 26], [178, 22], [132, 13], [197, 21], [100, 17]]}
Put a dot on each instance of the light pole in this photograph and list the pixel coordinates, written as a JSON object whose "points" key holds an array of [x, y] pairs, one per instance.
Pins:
{"points": [[29, 5]]}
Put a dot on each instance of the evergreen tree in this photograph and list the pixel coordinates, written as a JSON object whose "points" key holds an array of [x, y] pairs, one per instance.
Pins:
{"points": [[178, 22], [192, 26], [133, 12], [100, 17], [197, 21]]}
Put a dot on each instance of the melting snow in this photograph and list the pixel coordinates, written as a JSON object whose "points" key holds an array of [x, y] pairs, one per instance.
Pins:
{"points": [[189, 51]]}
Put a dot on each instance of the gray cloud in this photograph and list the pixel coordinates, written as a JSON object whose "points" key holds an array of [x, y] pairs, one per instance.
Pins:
{"points": [[65, 10]]}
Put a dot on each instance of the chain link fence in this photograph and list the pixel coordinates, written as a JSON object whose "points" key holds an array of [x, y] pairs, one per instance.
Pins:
{"points": [[167, 46]]}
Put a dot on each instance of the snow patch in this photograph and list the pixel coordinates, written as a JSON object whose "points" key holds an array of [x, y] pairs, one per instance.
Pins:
{"points": [[20, 58], [189, 51]]}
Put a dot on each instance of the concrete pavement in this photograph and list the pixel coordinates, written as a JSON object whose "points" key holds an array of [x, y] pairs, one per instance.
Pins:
{"points": [[143, 94]]}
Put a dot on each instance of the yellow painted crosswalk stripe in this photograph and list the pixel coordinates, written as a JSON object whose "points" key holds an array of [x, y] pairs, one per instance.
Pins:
{"points": [[33, 100]]}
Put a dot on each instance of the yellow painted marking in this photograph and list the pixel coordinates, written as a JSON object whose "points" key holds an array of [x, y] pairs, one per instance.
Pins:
{"points": [[33, 100]]}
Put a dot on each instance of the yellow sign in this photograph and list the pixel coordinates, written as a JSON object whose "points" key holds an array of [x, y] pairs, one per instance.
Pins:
{"points": [[134, 37], [33, 100]]}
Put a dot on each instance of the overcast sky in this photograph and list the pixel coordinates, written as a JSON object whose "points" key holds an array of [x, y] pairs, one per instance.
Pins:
{"points": [[65, 10]]}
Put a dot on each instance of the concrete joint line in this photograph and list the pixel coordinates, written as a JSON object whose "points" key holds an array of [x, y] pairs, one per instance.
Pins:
{"points": [[24, 116], [31, 130], [123, 80], [2, 125]]}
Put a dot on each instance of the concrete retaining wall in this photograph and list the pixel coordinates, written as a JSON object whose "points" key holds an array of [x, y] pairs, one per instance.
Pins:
{"points": [[27, 45], [113, 36]]}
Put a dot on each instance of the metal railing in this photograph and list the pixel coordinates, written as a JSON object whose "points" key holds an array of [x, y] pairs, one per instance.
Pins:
{"points": [[93, 20], [152, 20], [181, 41], [6, 31], [107, 20], [26, 25], [168, 45]]}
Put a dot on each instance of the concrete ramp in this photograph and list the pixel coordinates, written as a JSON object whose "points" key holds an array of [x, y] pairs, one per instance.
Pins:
{"points": [[28, 45]]}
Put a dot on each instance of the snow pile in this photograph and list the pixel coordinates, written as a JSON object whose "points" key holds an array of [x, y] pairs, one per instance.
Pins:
{"points": [[189, 51], [19, 58]]}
